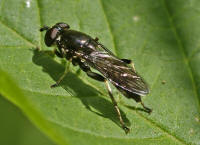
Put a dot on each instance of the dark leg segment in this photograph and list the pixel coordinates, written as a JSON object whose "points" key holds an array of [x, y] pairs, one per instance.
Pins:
{"points": [[128, 61], [57, 53], [62, 51], [95, 76], [98, 77], [126, 129], [138, 99], [96, 39], [91, 74], [148, 110], [44, 28]]}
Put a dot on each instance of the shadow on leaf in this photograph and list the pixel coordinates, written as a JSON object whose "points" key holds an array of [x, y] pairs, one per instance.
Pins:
{"points": [[80, 89], [136, 108]]}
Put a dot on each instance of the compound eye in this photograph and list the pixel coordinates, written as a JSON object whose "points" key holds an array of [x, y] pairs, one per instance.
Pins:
{"points": [[54, 33], [50, 36]]}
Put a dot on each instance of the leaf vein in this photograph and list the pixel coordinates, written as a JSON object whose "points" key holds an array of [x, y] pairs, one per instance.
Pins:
{"points": [[98, 135], [184, 53], [40, 21], [109, 28], [17, 34]]}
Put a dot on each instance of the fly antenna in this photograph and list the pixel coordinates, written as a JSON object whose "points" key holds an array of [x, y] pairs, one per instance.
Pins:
{"points": [[44, 28]]}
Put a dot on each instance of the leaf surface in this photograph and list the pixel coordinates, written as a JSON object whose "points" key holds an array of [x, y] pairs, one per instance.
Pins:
{"points": [[162, 39]]}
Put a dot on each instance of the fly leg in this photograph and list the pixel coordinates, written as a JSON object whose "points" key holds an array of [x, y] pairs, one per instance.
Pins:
{"points": [[61, 53], [138, 99], [44, 28], [95, 76], [91, 74], [128, 61], [57, 53], [63, 76], [148, 110], [96, 39], [126, 129], [98, 77]]}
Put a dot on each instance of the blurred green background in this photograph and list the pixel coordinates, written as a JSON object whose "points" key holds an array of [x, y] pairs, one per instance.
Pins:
{"points": [[16, 129]]}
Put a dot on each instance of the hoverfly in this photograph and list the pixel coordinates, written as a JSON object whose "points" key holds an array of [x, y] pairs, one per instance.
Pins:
{"points": [[81, 49]]}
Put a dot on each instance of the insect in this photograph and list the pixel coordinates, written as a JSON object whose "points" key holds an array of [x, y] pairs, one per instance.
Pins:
{"points": [[82, 50]]}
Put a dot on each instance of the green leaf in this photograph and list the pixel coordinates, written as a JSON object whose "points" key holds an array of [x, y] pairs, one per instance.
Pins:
{"points": [[16, 129], [161, 37]]}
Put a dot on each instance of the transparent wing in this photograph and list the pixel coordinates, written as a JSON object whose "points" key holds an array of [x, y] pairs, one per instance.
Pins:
{"points": [[117, 72], [102, 47]]}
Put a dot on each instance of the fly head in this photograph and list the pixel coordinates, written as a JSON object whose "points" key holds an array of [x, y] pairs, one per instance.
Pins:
{"points": [[53, 33]]}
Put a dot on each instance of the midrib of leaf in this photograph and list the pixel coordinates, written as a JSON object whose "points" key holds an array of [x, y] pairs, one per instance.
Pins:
{"points": [[40, 21], [183, 51], [17, 34], [77, 17], [109, 28]]}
